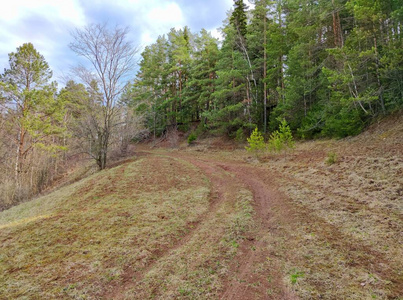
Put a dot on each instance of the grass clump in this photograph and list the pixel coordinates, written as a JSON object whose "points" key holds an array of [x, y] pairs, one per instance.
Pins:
{"points": [[331, 158], [295, 276]]}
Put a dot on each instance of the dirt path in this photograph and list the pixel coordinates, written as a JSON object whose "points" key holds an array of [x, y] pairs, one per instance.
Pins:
{"points": [[239, 285], [294, 249], [266, 198], [253, 275], [294, 241]]}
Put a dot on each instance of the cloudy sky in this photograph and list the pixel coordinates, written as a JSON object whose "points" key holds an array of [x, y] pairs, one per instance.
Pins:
{"points": [[48, 23]]}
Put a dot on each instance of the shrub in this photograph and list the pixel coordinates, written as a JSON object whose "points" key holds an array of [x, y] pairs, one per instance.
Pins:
{"points": [[331, 158], [281, 138], [191, 138], [256, 142], [240, 136]]}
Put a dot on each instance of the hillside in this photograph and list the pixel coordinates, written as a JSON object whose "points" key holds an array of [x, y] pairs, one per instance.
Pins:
{"points": [[206, 223]]}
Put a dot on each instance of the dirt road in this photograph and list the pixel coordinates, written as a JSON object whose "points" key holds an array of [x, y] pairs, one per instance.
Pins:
{"points": [[306, 243]]}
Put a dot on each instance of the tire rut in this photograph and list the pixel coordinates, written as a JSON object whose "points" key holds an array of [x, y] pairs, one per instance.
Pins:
{"points": [[247, 282], [131, 277], [350, 248]]}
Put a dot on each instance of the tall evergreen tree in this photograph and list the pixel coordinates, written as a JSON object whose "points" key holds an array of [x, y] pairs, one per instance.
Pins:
{"points": [[202, 76], [232, 95], [238, 18], [33, 110]]}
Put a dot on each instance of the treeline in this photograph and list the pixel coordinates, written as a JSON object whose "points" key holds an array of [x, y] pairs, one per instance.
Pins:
{"points": [[327, 66], [45, 131]]}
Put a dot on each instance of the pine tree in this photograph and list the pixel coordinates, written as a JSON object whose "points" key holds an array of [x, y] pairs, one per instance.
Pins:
{"points": [[30, 98], [257, 49], [256, 143], [281, 139], [231, 101], [202, 77], [179, 63]]}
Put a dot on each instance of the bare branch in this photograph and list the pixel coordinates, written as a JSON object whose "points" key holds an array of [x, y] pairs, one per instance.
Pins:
{"points": [[111, 56]]}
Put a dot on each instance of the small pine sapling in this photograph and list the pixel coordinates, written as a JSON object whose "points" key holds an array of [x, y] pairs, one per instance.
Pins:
{"points": [[281, 139], [240, 136], [256, 143], [191, 138], [275, 142]]}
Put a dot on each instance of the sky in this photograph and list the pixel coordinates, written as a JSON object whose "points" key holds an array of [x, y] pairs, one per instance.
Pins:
{"points": [[47, 23]]}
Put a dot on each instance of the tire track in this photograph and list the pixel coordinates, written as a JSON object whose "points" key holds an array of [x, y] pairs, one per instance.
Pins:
{"points": [[244, 280], [219, 193]]}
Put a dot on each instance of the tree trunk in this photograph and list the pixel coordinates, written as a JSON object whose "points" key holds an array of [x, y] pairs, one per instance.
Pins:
{"points": [[264, 76], [19, 156]]}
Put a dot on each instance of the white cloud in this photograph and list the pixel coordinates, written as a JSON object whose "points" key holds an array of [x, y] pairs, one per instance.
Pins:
{"points": [[147, 18], [167, 14], [216, 33], [146, 38], [152, 18], [69, 11], [42, 22], [47, 23]]}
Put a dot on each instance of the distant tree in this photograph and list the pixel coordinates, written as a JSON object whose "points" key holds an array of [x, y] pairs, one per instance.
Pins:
{"points": [[238, 18], [149, 92], [111, 57], [29, 104], [203, 76], [232, 97]]}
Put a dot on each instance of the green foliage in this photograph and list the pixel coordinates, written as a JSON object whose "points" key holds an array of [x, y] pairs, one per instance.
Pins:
{"points": [[238, 18], [295, 276], [256, 142], [275, 143], [282, 138], [331, 158], [291, 59], [343, 122], [184, 128], [191, 138], [35, 114], [240, 135]]}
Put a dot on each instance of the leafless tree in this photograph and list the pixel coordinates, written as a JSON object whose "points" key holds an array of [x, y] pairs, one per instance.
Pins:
{"points": [[112, 58]]}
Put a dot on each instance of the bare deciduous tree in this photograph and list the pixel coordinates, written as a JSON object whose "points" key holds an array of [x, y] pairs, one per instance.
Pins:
{"points": [[112, 58]]}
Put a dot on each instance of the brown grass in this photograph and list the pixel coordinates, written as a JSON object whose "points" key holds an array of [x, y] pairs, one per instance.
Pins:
{"points": [[203, 223], [103, 236]]}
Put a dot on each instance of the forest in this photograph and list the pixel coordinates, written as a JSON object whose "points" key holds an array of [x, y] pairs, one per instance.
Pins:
{"points": [[329, 68]]}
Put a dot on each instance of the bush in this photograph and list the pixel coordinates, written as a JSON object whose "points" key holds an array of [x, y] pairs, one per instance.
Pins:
{"points": [[256, 142], [191, 138], [281, 138], [331, 158], [240, 136]]}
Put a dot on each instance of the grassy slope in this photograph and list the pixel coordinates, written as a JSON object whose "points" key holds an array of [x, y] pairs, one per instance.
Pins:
{"points": [[348, 238], [87, 239], [343, 238], [159, 227]]}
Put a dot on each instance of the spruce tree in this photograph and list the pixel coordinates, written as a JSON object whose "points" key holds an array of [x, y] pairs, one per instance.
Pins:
{"points": [[238, 18]]}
